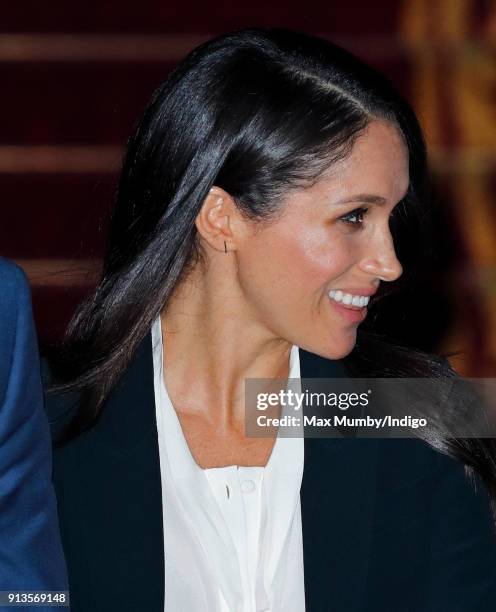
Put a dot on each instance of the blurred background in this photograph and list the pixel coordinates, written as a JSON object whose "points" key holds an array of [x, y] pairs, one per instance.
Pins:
{"points": [[75, 76]]}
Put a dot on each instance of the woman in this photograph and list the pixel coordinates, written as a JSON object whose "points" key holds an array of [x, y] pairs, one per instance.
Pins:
{"points": [[250, 231]]}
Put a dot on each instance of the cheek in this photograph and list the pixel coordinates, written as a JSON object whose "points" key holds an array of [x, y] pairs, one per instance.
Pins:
{"points": [[285, 278], [321, 257], [293, 267]]}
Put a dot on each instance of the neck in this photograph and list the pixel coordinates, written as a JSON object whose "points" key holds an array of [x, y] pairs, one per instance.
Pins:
{"points": [[212, 342]]}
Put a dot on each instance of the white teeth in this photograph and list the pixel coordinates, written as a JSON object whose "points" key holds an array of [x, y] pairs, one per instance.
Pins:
{"points": [[348, 299]]}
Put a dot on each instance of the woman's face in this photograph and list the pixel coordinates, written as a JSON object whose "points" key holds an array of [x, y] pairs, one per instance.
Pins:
{"points": [[331, 246]]}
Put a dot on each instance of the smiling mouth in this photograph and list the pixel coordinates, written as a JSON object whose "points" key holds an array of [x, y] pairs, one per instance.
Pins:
{"points": [[348, 300]]}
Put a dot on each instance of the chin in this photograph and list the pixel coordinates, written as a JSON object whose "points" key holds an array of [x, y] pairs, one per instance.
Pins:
{"points": [[334, 348], [341, 354], [341, 345]]}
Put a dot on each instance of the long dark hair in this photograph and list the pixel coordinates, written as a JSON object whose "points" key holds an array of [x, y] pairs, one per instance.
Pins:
{"points": [[256, 112]]}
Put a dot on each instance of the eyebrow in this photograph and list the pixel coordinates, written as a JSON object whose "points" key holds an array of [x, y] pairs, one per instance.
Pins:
{"points": [[364, 197]]}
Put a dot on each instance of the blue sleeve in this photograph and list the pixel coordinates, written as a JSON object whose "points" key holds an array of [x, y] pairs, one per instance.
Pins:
{"points": [[31, 556]]}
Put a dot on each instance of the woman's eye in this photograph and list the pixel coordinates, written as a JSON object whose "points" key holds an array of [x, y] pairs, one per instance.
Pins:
{"points": [[355, 217]]}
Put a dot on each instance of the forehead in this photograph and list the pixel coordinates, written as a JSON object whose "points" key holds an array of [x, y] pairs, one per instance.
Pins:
{"points": [[377, 164]]}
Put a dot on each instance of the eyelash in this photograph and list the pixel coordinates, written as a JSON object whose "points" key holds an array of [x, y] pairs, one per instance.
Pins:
{"points": [[357, 212]]}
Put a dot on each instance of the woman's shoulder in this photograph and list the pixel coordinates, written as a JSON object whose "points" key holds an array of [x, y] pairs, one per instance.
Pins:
{"points": [[128, 412]]}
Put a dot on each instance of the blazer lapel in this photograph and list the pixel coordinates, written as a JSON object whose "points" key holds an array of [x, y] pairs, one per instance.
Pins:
{"points": [[337, 505], [129, 434]]}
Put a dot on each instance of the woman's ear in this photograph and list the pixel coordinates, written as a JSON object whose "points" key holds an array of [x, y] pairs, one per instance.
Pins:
{"points": [[214, 222]]}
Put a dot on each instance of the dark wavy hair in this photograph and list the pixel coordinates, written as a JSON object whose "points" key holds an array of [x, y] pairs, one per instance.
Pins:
{"points": [[257, 112]]}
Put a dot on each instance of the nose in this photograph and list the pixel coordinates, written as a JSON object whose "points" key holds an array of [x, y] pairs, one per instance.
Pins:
{"points": [[380, 260]]}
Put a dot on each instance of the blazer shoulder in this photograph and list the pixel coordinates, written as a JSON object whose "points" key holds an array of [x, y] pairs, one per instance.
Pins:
{"points": [[17, 335], [12, 279], [16, 294]]}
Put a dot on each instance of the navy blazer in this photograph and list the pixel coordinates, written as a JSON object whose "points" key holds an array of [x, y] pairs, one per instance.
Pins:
{"points": [[389, 525], [31, 556]]}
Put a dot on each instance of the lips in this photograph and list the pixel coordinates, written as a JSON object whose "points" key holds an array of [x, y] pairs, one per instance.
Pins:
{"points": [[353, 314]]}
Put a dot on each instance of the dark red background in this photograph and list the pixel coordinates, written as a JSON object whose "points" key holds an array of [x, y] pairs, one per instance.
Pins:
{"points": [[75, 77]]}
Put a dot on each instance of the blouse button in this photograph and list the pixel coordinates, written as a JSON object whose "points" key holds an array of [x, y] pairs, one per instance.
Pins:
{"points": [[247, 486]]}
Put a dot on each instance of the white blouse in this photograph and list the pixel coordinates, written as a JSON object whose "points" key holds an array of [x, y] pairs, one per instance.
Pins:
{"points": [[232, 535]]}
